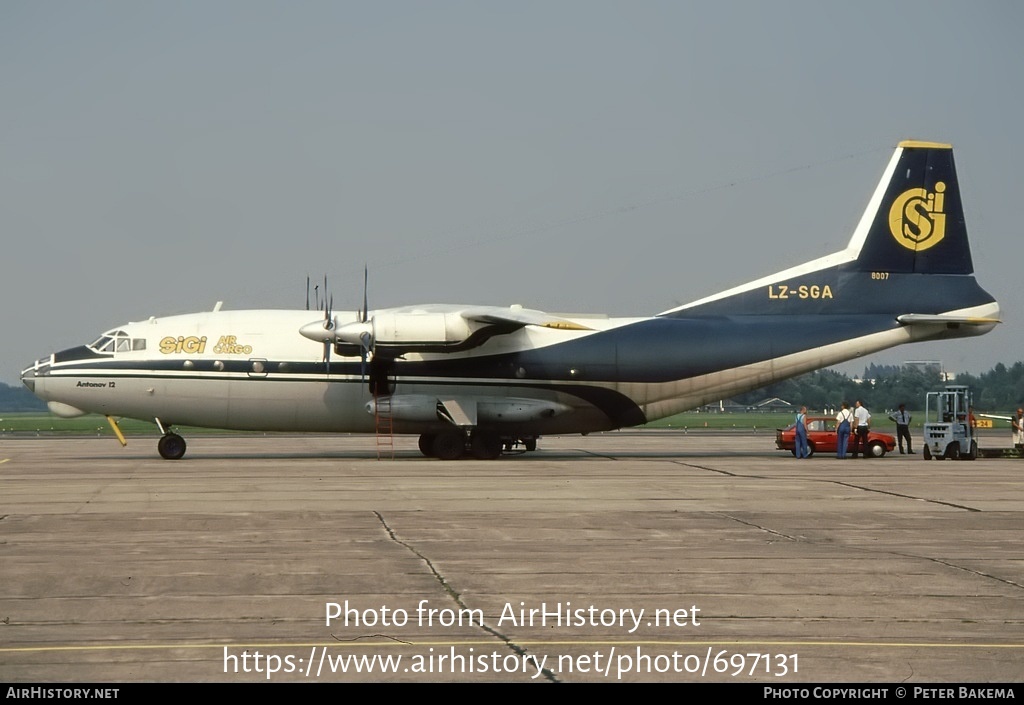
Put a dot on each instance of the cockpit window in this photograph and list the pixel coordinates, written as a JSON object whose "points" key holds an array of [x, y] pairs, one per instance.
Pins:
{"points": [[117, 341], [104, 344]]}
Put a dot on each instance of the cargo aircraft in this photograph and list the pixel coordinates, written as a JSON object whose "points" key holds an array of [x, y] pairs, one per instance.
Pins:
{"points": [[480, 380]]}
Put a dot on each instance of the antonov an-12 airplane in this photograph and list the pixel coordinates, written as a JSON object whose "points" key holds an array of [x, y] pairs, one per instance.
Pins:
{"points": [[477, 380]]}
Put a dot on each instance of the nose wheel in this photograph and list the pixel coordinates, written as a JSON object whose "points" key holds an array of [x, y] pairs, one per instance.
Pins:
{"points": [[171, 446]]}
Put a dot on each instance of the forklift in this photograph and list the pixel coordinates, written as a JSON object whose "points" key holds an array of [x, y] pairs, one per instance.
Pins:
{"points": [[949, 425]]}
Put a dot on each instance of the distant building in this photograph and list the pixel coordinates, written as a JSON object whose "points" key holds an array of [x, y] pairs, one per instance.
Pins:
{"points": [[773, 404], [723, 406], [726, 406]]}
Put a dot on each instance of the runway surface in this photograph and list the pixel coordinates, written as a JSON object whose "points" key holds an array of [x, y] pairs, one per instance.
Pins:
{"points": [[650, 556]]}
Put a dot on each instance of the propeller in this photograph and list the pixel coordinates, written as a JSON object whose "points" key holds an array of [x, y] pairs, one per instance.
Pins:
{"points": [[322, 331], [328, 327], [358, 332]]}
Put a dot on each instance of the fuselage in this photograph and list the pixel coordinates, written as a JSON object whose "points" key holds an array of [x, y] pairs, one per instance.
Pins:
{"points": [[253, 370]]}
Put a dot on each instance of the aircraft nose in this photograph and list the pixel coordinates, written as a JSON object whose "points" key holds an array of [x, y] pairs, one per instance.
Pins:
{"points": [[39, 368], [28, 378]]}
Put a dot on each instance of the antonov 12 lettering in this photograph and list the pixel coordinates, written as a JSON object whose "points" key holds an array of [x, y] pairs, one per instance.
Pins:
{"points": [[477, 380]]}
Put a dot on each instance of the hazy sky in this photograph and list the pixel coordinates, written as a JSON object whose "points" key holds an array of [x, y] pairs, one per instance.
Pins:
{"points": [[611, 157]]}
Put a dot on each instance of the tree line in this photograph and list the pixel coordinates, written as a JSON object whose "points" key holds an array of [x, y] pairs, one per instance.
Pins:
{"points": [[1001, 389], [19, 399]]}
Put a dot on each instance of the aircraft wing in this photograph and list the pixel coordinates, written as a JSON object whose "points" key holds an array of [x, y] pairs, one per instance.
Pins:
{"points": [[517, 315]]}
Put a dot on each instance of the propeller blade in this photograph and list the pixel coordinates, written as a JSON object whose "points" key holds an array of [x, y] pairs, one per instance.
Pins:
{"points": [[364, 352], [366, 306]]}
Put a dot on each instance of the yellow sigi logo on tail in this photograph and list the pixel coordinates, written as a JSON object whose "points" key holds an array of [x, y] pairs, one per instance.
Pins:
{"points": [[917, 219]]}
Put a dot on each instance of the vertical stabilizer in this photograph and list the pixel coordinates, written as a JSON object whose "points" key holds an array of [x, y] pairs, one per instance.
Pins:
{"points": [[918, 226], [913, 225]]}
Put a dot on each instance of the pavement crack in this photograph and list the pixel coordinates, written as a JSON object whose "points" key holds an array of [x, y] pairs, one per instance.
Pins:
{"points": [[760, 528], [449, 590], [915, 556], [905, 496], [862, 488], [452, 593], [715, 470], [954, 566]]}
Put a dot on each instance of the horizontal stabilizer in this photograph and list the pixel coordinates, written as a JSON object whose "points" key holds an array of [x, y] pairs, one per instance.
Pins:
{"points": [[996, 416], [910, 319]]}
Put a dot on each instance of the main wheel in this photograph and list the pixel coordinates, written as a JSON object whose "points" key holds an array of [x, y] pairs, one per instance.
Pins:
{"points": [[530, 444], [171, 446], [485, 445], [449, 445], [427, 444]]}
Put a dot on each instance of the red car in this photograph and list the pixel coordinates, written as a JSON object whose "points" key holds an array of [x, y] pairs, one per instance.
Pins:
{"points": [[822, 438]]}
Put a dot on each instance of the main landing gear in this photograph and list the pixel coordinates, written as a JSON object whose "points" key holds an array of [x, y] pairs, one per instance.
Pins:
{"points": [[481, 443], [171, 446]]}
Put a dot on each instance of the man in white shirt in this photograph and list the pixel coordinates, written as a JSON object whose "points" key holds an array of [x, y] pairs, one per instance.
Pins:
{"points": [[860, 432]]}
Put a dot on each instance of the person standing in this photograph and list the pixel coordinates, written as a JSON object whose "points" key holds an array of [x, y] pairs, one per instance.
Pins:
{"points": [[902, 419], [1018, 431], [862, 424], [802, 450], [844, 421]]}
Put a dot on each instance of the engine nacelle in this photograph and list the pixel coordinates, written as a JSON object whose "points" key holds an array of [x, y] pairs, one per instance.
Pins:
{"points": [[404, 330], [411, 329]]}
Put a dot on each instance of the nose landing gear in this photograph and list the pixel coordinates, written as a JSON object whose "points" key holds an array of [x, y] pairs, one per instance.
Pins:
{"points": [[171, 446]]}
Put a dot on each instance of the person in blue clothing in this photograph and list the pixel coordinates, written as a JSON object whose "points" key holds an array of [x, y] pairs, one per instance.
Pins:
{"points": [[801, 450], [844, 421]]}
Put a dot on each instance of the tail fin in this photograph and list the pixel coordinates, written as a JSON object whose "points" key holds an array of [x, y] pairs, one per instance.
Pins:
{"points": [[915, 221], [913, 225]]}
